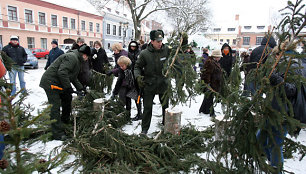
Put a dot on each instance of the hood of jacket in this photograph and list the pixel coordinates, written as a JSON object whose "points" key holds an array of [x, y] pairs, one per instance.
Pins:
{"points": [[137, 46], [230, 49], [271, 43]]}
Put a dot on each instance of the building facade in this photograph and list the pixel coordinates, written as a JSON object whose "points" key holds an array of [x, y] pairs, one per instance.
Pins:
{"points": [[38, 22]]}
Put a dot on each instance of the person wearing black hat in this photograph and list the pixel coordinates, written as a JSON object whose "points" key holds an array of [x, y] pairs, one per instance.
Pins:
{"points": [[149, 75], [56, 81], [19, 56], [54, 53]]}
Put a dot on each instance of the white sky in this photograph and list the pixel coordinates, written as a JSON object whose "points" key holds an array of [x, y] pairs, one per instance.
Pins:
{"points": [[252, 12]]}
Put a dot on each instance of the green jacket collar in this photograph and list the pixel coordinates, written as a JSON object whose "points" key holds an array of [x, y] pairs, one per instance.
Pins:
{"points": [[152, 49]]}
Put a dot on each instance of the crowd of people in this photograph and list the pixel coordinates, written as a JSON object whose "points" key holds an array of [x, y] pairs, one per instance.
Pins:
{"points": [[139, 71]]}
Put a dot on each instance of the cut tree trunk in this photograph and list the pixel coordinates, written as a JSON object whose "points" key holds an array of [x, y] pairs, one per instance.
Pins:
{"points": [[173, 121]]}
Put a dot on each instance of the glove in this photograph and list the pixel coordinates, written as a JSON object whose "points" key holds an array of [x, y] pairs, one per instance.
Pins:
{"points": [[94, 56], [276, 79], [109, 73], [140, 81], [68, 90], [46, 68]]}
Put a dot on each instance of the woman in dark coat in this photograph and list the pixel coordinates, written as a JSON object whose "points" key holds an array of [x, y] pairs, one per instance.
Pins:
{"points": [[118, 52], [212, 76], [226, 61], [134, 51], [99, 59]]}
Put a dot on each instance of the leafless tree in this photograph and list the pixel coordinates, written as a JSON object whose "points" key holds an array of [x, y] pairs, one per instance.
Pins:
{"points": [[188, 15]]}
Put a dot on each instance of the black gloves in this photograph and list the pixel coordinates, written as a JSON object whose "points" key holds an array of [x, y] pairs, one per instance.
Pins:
{"points": [[109, 73], [68, 90], [276, 79]]}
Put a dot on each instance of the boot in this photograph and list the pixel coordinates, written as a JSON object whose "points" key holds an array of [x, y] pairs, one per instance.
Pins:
{"points": [[138, 117]]}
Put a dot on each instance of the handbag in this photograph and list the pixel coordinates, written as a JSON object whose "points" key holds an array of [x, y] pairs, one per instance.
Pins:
{"points": [[133, 94]]}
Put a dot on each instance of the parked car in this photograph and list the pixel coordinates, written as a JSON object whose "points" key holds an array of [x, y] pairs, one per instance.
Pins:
{"points": [[110, 55], [65, 47], [40, 53], [32, 61]]}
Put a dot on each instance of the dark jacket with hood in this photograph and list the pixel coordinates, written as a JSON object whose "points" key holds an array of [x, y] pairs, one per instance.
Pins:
{"points": [[121, 53], [16, 52], [226, 62], [99, 61], [133, 54], [150, 64], [125, 79], [212, 74], [63, 71], [53, 55], [257, 52]]}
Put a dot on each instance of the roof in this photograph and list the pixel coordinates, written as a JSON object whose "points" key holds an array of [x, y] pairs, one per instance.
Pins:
{"points": [[80, 5], [117, 9]]}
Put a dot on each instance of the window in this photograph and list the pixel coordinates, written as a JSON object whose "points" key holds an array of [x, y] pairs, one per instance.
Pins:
{"points": [[53, 20], [132, 33], [217, 29], [83, 25], [258, 40], [28, 16], [98, 27], [108, 29], [124, 33], [1, 41], [114, 29], [230, 29], [221, 40], [31, 43], [72, 25], [247, 27], [65, 22], [108, 45], [91, 26], [234, 41], [43, 42], [42, 18], [228, 41], [215, 40], [119, 32], [12, 13], [246, 41], [260, 27]]}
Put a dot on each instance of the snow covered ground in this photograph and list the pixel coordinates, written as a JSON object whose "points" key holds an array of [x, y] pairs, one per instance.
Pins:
{"points": [[190, 115]]}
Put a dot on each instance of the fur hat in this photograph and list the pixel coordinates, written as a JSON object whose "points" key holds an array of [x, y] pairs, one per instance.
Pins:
{"points": [[14, 38], [216, 53], [157, 35], [133, 44], [85, 50]]}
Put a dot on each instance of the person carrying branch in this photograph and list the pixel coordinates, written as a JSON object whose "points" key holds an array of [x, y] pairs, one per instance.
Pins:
{"points": [[149, 75], [56, 83]]}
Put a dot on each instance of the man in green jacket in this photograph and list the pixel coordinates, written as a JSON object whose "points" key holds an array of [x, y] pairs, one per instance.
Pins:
{"points": [[56, 83], [149, 69]]}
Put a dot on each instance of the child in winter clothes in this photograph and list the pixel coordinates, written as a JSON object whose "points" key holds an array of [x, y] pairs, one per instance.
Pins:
{"points": [[125, 82]]}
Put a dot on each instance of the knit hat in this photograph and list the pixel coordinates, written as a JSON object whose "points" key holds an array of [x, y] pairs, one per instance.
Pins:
{"points": [[133, 44], [54, 42], [85, 50], [157, 35], [216, 53], [14, 38]]}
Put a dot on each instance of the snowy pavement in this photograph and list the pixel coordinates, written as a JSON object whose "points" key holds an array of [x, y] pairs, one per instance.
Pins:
{"points": [[190, 115]]}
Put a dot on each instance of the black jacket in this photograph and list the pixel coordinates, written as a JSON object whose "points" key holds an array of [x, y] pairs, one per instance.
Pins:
{"points": [[226, 62], [99, 61], [257, 52], [53, 55], [133, 54], [16, 52], [125, 79]]}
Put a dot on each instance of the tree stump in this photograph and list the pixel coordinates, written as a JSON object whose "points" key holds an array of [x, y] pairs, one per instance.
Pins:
{"points": [[173, 121], [98, 104], [221, 125]]}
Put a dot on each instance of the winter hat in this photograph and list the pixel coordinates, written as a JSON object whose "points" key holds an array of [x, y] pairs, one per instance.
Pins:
{"points": [[54, 42], [216, 53], [157, 35], [133, 44], [85, 50], [14, 38]]}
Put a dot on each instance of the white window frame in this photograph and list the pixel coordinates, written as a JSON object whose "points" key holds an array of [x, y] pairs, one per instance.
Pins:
{"points": [[46, 19], [57, 24], [17, 12], [74, 24], [92, 25], [33, 17], [82, 25], [98, 27], [109, 29], [67, 22]]}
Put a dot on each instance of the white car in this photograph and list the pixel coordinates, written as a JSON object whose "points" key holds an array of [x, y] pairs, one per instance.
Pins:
{"points": [[65, 47]]}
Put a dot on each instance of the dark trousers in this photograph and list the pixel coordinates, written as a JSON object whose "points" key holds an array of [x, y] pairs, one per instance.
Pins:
{"points": [[66, 99], [55, 100], [147, 112], [207, 104]]}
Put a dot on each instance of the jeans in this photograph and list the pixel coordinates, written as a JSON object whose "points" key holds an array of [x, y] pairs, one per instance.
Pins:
{"points": [[2, 146], [274, 147], [12, 75]]}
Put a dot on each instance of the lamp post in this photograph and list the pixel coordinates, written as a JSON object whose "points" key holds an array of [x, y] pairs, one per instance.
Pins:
{"points": [[125, 26]]}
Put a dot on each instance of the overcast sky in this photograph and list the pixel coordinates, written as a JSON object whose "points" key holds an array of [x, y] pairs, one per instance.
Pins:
{"points": [[253, 12]]}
